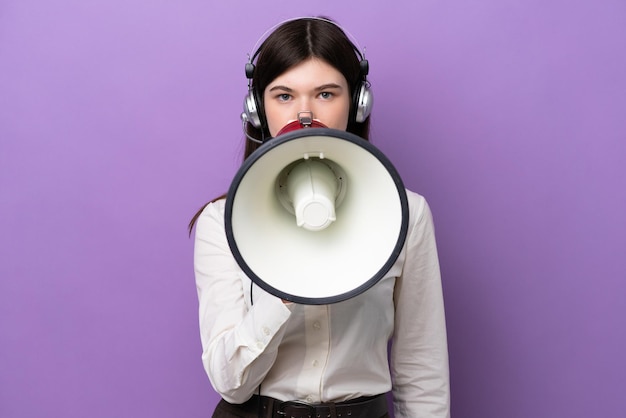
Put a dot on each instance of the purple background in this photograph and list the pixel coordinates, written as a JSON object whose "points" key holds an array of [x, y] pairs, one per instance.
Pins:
{"points": [[118, 119]]}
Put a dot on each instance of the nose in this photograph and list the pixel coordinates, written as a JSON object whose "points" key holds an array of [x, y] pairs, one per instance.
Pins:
{"points": [[305, 104]]}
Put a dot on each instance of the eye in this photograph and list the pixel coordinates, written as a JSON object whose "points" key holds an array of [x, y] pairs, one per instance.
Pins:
{"points": [[326, 95], [283, 97]]}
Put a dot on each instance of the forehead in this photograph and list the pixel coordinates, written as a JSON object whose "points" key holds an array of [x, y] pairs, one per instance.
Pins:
{"points": [[310, 72]]}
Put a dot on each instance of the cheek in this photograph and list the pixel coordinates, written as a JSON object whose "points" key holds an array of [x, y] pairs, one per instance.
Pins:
{"points": [[276, 119], [337, 117]]}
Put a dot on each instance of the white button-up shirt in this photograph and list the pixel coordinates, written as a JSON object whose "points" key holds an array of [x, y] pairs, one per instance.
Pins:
{"points": [[331, 352]]}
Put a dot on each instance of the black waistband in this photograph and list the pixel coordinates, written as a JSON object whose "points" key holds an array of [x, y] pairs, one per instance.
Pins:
{"points": [[366, 407]]}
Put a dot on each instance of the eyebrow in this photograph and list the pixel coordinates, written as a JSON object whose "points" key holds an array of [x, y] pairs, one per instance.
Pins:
{"points": [[328, 86], [320, 88], [283, 88]]}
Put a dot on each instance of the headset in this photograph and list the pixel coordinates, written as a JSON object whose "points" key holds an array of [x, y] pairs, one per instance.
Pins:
{"points": [[362, 101]]}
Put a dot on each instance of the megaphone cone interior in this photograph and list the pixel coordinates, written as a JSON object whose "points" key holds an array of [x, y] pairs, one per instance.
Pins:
{"points": [[347, 197], [309, 190]]}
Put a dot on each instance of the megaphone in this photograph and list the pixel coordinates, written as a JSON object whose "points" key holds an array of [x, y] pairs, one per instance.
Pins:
{"points": [[316, 216]]}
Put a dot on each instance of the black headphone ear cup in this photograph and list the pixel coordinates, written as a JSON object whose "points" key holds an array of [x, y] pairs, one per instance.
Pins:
{"points": [[252, 110], [363, 102]]}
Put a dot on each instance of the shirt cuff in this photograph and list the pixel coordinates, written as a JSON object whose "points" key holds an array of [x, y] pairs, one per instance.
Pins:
{"points": [[263, 328]]}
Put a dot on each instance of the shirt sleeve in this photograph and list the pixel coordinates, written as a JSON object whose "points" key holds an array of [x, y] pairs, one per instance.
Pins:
{"points": [[419, 352], [239, 340]]}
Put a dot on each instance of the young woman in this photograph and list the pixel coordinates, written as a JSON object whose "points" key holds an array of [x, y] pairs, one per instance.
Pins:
{"points": [[271, 358]]}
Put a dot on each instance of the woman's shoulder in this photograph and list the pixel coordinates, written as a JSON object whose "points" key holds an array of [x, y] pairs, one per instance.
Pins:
{"points": [[216, 205], [212, 211], [416, 200], [418, 207]]}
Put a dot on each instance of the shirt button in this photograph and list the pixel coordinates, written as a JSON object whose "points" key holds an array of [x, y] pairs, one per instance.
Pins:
{"points": [[259, 345], [317, 325], [315, 363], [266, 331], [309, 399]]}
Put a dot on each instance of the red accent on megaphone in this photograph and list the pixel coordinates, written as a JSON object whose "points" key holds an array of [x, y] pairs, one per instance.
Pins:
{"points": [[295, 125]]}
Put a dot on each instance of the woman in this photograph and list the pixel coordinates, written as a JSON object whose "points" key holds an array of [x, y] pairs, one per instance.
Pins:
{"points": [[271, 358]]}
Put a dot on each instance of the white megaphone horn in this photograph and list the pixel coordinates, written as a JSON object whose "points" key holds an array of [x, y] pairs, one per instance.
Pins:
{"points": [[316, 216]]}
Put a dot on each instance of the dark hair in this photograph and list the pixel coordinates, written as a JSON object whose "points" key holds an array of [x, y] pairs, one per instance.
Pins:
{"points": [[290, 44]]}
